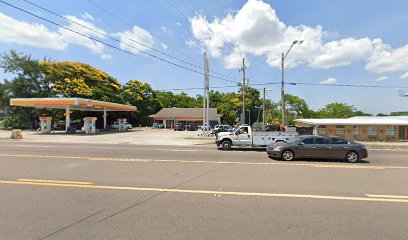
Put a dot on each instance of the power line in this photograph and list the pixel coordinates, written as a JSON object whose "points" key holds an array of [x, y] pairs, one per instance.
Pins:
{"points": [[110, 37], [156, 50], [110, 45], [181, 13], [215, 87], [343, 85]]}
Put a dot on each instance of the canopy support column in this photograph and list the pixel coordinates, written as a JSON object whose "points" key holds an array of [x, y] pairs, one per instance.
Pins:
{"points": [[67, 118], [315, 130], [104, 118]]}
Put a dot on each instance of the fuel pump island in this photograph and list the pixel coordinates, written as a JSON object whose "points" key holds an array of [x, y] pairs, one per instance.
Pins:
{"points": [[73, 104]]}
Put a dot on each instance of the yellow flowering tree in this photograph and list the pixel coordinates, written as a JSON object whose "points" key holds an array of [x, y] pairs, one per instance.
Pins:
{"points": [[74, 79]]}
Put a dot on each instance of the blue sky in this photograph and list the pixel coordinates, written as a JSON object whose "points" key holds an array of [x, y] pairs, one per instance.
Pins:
{"points": [[345, 42]]}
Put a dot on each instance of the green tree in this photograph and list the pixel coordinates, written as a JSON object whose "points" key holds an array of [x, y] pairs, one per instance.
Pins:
{"points": [[142, 96], [337, 110], [29, 81], [399, 113]]}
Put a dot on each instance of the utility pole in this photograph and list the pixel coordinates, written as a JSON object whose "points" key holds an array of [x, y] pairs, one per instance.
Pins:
{"points": [[263, 110], [283, 89], [206, 96], [243, 90]]}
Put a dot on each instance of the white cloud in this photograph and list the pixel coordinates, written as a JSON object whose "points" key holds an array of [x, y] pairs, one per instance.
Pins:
{"points": [[404, 76], [387, 59], [165, 30], [329, 81], [73, 38], [382, 78], [37, 35], [178, 24], [30, 34], [106, 56], [87, 16], [342, 52], [138, 34], [256, 29], [190, 43], [164, 46], [234, 60]]}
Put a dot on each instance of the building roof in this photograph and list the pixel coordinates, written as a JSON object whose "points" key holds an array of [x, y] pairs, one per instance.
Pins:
{"points": [[74, 104], [185, 112], [366, 120]]}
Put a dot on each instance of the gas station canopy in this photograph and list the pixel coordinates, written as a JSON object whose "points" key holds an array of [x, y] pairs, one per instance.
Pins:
{"points": [[80, 104], [69, 104]]}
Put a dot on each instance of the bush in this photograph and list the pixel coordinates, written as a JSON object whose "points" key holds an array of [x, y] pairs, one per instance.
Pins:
{"points": [[14, 121]]}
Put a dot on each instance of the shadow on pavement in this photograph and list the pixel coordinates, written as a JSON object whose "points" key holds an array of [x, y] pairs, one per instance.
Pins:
{"points": [[317, 160]]}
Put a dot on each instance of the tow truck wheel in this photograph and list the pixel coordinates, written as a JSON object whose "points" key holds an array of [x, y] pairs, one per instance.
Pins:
{"points": [[226, 145], [288, 155]]}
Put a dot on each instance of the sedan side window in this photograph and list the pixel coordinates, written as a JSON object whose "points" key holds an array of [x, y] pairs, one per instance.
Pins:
{"points": [[338, 141], [321, 141], [308, 141]]}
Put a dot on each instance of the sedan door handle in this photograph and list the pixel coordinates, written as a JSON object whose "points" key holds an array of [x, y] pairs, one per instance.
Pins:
{"points": [[312, 147]]}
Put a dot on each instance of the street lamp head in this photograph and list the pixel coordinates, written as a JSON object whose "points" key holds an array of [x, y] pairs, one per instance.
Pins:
{"points": [[294, 42], [300, 42]]}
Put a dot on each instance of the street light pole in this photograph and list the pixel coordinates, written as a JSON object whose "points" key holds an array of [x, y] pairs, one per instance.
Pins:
{"points": [[283, 80]]}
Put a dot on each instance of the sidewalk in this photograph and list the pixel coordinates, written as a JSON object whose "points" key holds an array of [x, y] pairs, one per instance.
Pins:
{"points": [[385, 145], [139, 136]]}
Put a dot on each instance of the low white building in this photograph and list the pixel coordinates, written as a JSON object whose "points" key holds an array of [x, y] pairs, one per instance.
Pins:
{"points": [[387, 128], [170, 116]]}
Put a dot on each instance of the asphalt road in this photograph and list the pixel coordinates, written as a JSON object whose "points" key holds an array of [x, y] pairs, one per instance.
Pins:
{"points": [[91, 191]]}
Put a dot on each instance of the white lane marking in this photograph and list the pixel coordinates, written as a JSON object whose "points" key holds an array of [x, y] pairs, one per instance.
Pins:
{"points": [[213, 193], [345, 166], [387, 196], [26, 145]]}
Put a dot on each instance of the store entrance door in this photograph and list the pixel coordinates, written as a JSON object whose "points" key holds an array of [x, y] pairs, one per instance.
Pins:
{"points": [[402, 133]]}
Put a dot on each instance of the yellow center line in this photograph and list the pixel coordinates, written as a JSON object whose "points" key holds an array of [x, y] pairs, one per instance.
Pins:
{"points": [[345, 166], [193, 191], [387, 196], [53, 181]]}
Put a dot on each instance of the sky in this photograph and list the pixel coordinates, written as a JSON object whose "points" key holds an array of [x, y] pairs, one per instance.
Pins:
{"points": [[344, 43]]}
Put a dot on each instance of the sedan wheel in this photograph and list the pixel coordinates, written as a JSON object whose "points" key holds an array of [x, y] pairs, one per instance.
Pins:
{"points": [[288, 155], [352, 157]]}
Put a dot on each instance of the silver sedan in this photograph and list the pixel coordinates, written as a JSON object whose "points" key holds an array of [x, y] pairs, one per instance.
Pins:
{"points": [[318, 147]]}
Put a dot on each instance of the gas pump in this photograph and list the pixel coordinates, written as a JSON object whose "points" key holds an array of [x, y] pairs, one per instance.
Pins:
{"points": [[89, 125], [45, 125], [122, 124]]}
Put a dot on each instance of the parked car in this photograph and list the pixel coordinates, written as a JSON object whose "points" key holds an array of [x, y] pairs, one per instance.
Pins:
{"points": [[318, 147], [179, 127], [158, 125], [222, 128], [205, 126], [191, 127], [115, 125]]}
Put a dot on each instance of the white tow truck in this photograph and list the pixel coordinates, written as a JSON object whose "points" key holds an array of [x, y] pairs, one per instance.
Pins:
{"points": [[243, 136]]}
